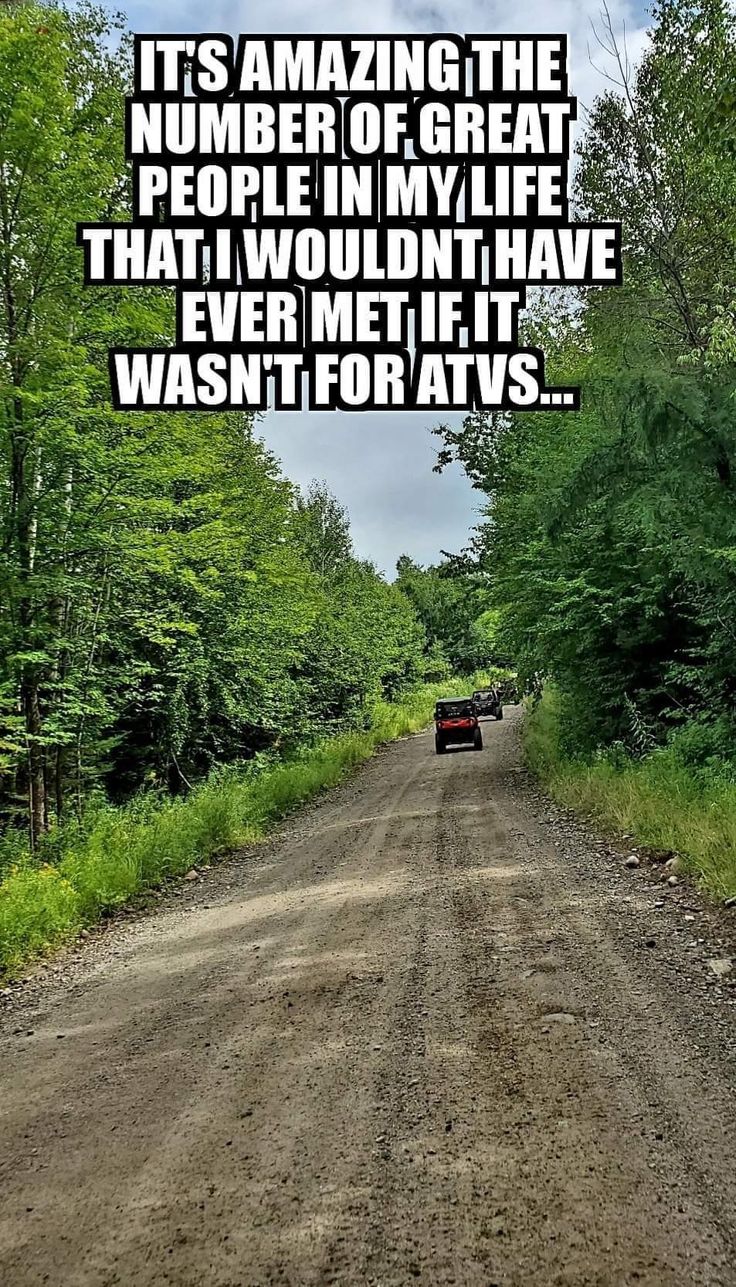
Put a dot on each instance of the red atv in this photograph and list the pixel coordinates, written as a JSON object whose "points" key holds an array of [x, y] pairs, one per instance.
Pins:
{"points": [[456, 723]]}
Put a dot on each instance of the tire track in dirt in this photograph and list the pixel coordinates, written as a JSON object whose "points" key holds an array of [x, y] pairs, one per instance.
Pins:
{"points": [[409, 1040]]}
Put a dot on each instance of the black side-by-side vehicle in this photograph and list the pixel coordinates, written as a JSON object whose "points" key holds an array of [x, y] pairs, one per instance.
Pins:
{"points": [[456, 723], [488, 701]]}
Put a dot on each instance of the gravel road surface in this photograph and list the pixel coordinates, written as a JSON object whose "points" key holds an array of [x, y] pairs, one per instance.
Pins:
{"points": [[433, 1032]]}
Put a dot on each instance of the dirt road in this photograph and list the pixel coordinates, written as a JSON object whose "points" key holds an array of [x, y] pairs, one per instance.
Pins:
{"points": [[429, 1034]]}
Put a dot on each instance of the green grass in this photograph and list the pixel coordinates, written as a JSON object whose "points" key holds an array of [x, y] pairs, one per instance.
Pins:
{"points": [[124, 851], [661, 801]]}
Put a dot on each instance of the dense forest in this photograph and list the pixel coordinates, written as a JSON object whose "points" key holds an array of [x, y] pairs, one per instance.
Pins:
{"points": [[172, 607], [609, 538], [169, 602]]}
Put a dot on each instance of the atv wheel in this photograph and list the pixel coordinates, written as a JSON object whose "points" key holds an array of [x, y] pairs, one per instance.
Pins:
{"points": [[500, 713], [439, 746], [478, 741]]}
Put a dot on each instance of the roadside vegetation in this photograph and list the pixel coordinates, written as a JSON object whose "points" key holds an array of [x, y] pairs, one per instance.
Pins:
{"points": [[609, 541], [94, 865], [672, 799]]}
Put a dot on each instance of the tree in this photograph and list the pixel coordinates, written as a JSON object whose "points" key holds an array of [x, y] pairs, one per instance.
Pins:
{"points": [[451, 602], [61, 86], [610, 536], [323, 529], [168, 600]]}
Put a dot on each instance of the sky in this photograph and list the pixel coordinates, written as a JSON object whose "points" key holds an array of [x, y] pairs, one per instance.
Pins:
{"points": [[379, 464]]}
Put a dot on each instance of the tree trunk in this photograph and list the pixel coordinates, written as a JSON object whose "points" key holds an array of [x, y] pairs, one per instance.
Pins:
{"points": [[36, 773], [24, 483], [59, 782]]}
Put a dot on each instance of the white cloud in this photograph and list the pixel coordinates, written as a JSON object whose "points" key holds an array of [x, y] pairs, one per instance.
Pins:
{"points": [[575, 18]]}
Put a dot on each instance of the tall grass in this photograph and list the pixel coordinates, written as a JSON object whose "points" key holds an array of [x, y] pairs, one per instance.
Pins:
{"points": [[662, 801], [123, 851]]}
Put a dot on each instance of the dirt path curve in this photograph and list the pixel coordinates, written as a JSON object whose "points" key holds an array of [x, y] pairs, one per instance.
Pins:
{"points": [[425, 1035]]}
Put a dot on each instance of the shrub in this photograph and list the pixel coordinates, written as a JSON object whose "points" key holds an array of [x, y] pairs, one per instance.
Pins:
{"points": [[680, 797], [117, 852], [38, 909]]}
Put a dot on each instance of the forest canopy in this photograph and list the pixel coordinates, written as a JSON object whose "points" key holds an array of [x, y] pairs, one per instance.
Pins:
{"points": [[169, 602], [609, 537]]}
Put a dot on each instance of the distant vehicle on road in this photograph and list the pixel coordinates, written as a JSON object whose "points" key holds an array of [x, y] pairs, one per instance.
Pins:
{"points": [[456, 723], [488, 701]]}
